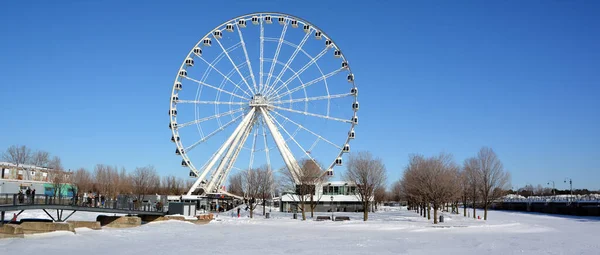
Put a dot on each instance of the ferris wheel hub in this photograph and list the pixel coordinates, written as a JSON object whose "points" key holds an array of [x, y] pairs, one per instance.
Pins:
{"points": [[258, 100]]}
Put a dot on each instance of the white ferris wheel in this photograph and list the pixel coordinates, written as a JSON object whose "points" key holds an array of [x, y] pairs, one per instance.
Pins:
{"points": [[257, 84]]}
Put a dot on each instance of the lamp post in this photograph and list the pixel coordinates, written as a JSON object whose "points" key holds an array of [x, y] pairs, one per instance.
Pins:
{"points": [[553, 189], [570, 186], [331, 207]]}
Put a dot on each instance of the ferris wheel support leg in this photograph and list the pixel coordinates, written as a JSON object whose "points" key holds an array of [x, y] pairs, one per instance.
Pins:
{"points": [[286, 154], [230, 157], [225, 172], [217, 156]]}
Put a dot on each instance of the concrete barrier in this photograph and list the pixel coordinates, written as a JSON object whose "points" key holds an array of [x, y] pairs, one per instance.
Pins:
{"points": [[11, 231], [86, 224], [44, 227], [207, 217], [153, 218], [119, 221]]}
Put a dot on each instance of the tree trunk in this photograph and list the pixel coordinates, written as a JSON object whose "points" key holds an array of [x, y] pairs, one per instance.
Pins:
{"points": [[263, 206], [428, 211], [435, 208], [366, 211], [251, 212], [465, 208], [312, 207], [474, 212], [303, 211], [485, 209]]}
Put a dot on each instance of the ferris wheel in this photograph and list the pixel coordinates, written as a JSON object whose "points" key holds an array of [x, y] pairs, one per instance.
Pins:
{"points": [[257, 84]]}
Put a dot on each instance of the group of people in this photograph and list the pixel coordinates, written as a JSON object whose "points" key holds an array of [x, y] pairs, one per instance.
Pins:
{"points": [[91, 199], [29, 195]]}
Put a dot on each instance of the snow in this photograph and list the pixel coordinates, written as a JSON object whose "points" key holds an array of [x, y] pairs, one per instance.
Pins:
{"points": [[391, 231]]}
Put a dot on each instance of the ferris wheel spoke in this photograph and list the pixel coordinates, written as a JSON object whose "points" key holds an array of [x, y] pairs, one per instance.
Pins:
{"points": [[262, 53], [279, 43], [306, 66], [305, 85], [293, 139], [234, 65], [292, 57], [226, 77], [209, 102], [210, 117], [307, 99], [246, 55], [216, 88], [308, 130], [311, 114], [253, 148], [264, 134], [205, 138]]}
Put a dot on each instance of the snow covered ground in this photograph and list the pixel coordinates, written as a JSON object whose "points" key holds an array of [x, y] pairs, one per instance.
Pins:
{"points": [[387, 232]]}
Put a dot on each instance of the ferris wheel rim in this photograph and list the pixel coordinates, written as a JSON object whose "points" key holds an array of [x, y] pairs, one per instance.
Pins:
{"points": [[248, 16]]}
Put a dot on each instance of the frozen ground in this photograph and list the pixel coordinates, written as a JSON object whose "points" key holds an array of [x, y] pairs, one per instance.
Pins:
{"points": [[387, 232]]}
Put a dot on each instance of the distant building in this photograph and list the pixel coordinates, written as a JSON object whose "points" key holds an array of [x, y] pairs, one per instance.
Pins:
{"points": [[13, 179], [338, 196]]}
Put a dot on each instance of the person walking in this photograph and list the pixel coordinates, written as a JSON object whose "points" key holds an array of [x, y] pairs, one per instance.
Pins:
{"points": [[238, 210], [28, 193], [85, 196], [33, 196], [20, 196]]}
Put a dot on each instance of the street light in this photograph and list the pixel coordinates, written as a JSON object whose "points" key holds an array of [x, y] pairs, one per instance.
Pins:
{"points": [[570, 185], [553, 189], [331, 207]]}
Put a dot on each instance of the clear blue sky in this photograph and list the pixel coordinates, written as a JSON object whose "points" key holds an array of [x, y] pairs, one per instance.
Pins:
{"points": [[89, 80]]}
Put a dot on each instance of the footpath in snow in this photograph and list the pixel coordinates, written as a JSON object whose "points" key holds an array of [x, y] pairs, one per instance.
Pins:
{"points": [[395, 231]]}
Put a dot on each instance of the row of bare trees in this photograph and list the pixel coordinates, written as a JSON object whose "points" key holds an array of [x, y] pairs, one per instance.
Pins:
{"points": [[21, 155], [255, 184], [110, 181], [432, 182], [107, 180]]}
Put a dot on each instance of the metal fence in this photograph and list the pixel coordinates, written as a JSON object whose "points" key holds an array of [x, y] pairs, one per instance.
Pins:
{"points": [[123, 202]]}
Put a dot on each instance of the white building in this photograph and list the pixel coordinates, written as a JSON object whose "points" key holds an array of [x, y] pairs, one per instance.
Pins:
{"points": [[338, 196]]}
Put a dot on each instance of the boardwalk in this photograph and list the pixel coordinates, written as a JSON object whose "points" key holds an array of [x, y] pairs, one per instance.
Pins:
{"points": [[12, 202]]}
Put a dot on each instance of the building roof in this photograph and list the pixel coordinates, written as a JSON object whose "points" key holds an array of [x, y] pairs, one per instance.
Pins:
{"points": [[32, 167]]}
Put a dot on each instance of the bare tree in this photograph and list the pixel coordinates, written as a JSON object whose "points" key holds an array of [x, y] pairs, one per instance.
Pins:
{"points": [[379, 196], [124, 185], [304, 184], [40, 158], [267, 184], [82, 180], [411, 183], [172, 185], [367, 173], [464, 189], [236, 184], [58, 177], [396, 193], [107, 180], [251, 186], [18, 155], [144, 181], [470, 168], [443, 184], [492, 176]]}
